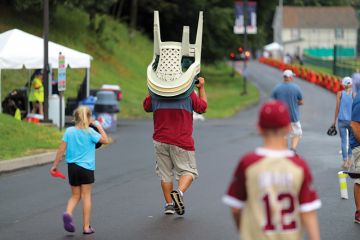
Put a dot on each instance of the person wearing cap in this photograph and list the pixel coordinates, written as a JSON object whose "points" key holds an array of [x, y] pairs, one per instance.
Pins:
{"points": [[354, 140], [174, 144], [36, 93], [291, 94], [344, 101], [271, 194]]}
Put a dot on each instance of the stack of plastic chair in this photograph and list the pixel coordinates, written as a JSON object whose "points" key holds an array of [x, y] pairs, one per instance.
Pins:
{"points": [[175, 65]]}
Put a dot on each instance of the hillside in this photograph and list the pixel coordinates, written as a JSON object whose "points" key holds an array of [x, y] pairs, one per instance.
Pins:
{"points": [[116, 60]]}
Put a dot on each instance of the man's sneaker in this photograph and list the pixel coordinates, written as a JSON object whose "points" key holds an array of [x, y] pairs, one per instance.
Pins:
{"points": [[169, 209], [179, 202], [357, 217]]}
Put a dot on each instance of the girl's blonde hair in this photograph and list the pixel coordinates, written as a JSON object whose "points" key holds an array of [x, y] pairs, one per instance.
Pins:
{"points": [[82, 117]]}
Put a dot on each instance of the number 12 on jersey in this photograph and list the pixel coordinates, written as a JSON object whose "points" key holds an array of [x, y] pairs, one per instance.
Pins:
{"points": [[287, 209]]}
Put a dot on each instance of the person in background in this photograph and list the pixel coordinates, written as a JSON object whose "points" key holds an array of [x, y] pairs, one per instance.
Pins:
{"points": [[354, 140], [79, 145], [344, 101], [174, 144], [54, 84], [356, 81], [36, 93], [291, 94], [271, 194]]}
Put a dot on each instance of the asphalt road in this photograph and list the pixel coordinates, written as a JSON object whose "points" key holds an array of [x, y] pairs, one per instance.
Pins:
{"points": [[127, 200]]}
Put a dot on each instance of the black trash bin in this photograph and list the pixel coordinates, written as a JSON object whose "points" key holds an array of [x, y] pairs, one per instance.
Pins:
{"points": [[106, 109]]}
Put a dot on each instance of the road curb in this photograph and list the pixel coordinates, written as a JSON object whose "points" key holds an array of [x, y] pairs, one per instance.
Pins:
{"points": [[24, 162]]}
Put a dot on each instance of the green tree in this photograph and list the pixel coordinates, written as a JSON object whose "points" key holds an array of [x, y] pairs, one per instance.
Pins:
{"points": [[218, 34], [92, 7]]}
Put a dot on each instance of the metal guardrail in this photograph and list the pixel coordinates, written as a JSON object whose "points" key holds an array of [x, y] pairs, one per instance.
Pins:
{"points": [[342, 67], [318, 62]]}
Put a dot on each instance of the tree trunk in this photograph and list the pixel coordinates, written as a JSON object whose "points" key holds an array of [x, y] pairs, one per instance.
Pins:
{"points": [[120, 6], [92, 17], [133, 17]]}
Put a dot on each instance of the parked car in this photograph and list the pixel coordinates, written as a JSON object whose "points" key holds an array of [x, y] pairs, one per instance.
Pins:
{"points": [[107, 87], [73, 103]]}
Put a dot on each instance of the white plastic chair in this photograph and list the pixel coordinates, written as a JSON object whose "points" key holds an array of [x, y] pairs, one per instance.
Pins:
{"points": [[165, 74]]}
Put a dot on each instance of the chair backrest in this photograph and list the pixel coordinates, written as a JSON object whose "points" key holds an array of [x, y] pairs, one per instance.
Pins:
{"points": [[169, 67]]}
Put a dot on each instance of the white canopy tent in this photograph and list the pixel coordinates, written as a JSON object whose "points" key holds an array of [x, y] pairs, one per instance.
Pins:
{"points": [[19, 49], [274, 46]]}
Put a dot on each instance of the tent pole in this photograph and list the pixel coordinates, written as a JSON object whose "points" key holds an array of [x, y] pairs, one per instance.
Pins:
{"points": [[28, 110], [87, 82], [46, 61], [0, 94]]}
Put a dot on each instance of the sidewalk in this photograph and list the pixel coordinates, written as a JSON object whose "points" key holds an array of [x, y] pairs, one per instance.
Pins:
{"points": [[24, 162], [33, 160]]}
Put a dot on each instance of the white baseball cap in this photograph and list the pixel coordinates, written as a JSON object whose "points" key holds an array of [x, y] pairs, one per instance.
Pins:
{"points": [[288, 73], [346, 81]]}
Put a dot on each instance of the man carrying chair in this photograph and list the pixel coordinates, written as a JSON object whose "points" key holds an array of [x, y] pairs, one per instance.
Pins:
{"points": [[354, 140]]}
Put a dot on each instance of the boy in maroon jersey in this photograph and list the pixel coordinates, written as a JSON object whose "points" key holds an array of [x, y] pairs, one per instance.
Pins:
{"points": [[271, 194]]}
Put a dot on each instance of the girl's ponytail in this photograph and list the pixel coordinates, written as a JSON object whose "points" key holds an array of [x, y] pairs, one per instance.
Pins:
{"points": [[82, 116]]}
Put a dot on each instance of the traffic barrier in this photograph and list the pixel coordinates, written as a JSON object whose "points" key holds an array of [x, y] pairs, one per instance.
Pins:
{"points": [[331, 83], [341, 86], [304, 73], [342, 185], [282, 66], [322, 80], [337, 86], [318, 80], [296, 70], [312, 77], [327, 82], [308, 76]]}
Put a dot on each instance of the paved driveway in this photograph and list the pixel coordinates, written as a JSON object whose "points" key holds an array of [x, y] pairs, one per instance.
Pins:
{"points": [[127, 200]]}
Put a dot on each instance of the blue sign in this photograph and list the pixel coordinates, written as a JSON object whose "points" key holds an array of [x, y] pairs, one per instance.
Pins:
{"points": [[250, 18]]}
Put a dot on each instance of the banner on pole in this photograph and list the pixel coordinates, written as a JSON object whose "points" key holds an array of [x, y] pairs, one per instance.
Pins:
{"points": [[250, 15], [61, 73]]}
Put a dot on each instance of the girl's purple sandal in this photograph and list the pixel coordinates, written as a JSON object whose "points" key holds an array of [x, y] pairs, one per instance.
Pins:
{"points": [[68, 222], [90, 231]]}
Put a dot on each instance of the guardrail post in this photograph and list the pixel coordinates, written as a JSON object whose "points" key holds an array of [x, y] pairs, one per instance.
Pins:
{"points": [[334, 59]]}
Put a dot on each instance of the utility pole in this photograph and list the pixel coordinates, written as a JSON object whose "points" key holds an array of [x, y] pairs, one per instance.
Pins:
{"points": [[245, 71], [133, 18], [280, 22], [232, 59], [46, 61], [335, 51]]}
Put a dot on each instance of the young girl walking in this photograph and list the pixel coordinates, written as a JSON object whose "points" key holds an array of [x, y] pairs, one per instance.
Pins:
{"points": [[79, 145]]}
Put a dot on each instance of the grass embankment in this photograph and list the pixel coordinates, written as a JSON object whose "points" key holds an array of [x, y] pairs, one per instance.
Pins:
{"points": [[116, 60], [20, 138], [224, 91]]}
